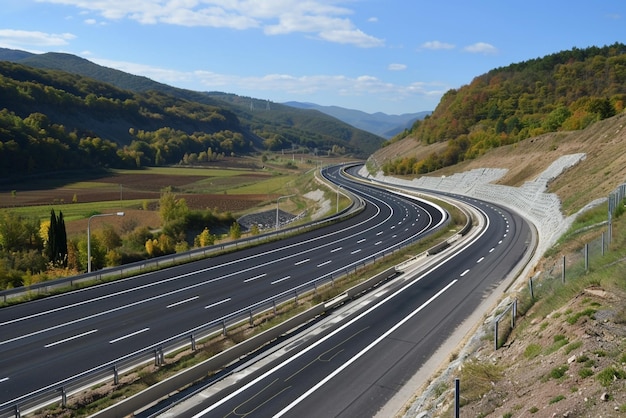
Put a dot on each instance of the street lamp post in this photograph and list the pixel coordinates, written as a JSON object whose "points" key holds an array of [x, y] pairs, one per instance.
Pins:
{"points": [[277, 200], [89, 234]]}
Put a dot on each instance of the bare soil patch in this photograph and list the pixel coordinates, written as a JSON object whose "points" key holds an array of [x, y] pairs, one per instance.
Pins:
{"points": [[556, 369]]}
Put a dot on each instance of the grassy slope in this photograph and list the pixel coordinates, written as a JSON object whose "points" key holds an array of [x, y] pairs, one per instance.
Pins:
{"points": [[603, 169], [523, 376]]}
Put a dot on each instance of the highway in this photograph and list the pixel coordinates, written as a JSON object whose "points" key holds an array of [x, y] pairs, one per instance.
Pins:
{"points": [[48, 342], [357, 365]]}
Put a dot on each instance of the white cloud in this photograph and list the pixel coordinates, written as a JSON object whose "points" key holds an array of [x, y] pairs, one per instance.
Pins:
{"points": [[283, 84], [322, 18], [396, 67], [10, 38], [436, 45], [481, 48]]}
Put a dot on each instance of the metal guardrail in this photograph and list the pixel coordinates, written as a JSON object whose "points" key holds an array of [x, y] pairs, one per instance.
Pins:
{"points": [[110, 371], [44, 288], [60, 391], [193, 374]]}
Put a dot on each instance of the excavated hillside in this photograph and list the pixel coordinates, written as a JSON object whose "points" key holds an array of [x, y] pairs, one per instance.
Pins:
{"points": [[604, 143], [566, 357]]}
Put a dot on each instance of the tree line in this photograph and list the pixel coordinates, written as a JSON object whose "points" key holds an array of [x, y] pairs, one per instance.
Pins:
{"points": [[33, 251], [568, 90], [51, 121]]}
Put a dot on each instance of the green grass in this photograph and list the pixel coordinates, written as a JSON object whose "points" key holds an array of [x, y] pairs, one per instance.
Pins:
{"points": [[589, 312], [607, 376], [186, 171], [556, 399], [532, 351], [75, 211], [572, 346], [559, 341], [559, 371]]}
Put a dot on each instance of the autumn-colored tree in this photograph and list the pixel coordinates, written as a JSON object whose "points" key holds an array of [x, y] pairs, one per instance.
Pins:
{"points": [[204, 239], [171, 208], [235, 230]]}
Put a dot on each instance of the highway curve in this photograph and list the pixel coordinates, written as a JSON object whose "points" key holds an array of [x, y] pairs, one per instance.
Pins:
{"points": [[70, 334]]}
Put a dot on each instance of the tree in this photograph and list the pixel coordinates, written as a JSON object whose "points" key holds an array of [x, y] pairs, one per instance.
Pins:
{"points": [[170, 208], [204, 239], [56, 245], [235, 231], [109, 238], [13, 233]]}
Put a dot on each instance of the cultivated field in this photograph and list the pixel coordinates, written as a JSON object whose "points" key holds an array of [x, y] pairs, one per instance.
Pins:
{"points": [[235, 185]]}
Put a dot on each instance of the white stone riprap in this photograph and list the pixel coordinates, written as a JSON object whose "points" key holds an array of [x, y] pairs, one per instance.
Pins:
{"points": [[530, 200]]}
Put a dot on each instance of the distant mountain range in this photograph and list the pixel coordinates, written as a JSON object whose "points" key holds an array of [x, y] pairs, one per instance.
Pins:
{"points": [[283, 126], [378, 123]]}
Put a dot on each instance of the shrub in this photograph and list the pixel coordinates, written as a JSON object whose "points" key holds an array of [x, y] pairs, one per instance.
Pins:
{"points": [[608, 375], [558, 372], [572, 346], [532, 351]]}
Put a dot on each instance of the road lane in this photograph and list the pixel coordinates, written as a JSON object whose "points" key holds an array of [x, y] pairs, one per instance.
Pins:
{"points": [[140, 312]]}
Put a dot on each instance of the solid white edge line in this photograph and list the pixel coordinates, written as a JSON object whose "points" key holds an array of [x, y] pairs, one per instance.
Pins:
{"points": [[365, 350], [320, 341]]}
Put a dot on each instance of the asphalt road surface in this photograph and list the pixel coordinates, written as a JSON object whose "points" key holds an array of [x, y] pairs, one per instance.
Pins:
{"points": [[46, 343], [355, 367]]}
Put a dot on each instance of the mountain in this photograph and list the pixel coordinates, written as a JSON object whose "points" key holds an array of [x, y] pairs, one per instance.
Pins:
{"points": [[52, 120], [378, 123], [282, 127], [564, 91]]}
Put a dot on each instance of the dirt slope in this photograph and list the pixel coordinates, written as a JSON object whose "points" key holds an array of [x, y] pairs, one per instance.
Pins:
{"points": [[571, 362]]}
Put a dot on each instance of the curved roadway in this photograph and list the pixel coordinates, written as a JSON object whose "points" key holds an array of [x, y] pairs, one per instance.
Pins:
{"points": [[357, 365], [47, 342]]}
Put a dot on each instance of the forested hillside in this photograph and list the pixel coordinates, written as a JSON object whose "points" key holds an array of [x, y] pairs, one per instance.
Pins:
{"points": [[52, 120], [279, 128], [568, 90], [56, 120]]}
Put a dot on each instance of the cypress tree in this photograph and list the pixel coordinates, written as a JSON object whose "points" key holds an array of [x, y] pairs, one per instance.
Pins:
{"points": [[56, 250]]}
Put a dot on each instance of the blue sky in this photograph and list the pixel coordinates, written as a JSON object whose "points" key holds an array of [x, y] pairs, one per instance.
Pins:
{"points": [[391, 56]]}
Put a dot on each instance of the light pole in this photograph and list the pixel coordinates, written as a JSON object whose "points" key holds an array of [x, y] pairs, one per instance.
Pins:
{"points": [[277, 200], [89, 234]]}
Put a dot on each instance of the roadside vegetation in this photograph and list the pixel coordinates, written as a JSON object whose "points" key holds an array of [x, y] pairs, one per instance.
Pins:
{"points": [[167, 210], [565, 357], [564, 91]]}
